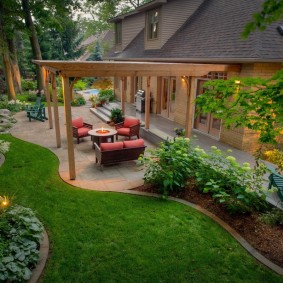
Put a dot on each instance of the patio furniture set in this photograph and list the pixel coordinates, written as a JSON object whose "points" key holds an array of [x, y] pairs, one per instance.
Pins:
{"points": [[106, 150]]}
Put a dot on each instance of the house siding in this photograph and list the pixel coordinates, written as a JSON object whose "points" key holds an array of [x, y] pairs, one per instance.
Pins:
{"points": [[131, 26], [170, 22]]}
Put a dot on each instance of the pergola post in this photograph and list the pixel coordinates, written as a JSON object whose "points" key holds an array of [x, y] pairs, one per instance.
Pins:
{"points": [[68, 118], [123, 94], [47, 95], [55, 109], [147, 103], [190, 106]]}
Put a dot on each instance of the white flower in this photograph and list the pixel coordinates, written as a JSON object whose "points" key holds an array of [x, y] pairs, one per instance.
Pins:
{"points": [[4, 146]]}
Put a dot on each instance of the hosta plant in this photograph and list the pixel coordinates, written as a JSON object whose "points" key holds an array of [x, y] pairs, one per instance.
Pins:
{"points": [[20, 234]]}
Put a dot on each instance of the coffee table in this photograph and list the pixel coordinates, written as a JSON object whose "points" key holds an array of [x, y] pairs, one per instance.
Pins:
{"points": [[102, 135]]}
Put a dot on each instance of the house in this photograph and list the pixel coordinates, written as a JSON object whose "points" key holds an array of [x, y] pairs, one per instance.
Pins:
{"points": [[200, 32]]}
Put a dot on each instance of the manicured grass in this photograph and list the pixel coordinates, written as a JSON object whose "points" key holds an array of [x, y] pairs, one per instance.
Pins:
{"points": [[111, 237], [24, 97]]}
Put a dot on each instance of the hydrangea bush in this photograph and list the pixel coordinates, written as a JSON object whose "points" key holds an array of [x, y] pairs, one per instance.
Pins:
{"points": [[238, 186]]}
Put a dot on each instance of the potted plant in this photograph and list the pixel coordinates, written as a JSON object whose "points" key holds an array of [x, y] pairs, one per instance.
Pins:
{"points": [[180, 132], [116, 116]]}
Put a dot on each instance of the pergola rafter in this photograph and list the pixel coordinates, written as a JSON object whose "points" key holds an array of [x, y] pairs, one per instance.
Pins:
{"points": [[74, 69]]}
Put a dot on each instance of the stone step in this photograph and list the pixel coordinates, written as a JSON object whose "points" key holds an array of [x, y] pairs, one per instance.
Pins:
{"points": [[112, 105], [104, 111], [100, 115]]}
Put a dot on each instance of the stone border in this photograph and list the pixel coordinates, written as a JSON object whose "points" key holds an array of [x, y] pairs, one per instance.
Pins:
{"points": [[229, 229], [43, 256], [2, 159]]}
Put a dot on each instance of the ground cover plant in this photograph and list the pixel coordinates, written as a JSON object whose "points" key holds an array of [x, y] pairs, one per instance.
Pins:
{"points": [[111, 237]]}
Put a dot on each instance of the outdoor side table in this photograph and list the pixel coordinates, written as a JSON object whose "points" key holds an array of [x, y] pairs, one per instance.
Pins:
{"points": [[102, 135]]}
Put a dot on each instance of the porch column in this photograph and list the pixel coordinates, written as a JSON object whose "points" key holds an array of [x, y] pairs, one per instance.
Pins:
{"points": [[132, 96], [190, 105], [69, 132], [147, 103], [47, 95], [56, 112], [123, 95]]}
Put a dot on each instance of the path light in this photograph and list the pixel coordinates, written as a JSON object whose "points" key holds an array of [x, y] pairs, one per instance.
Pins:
{"points": [[4, 201]]}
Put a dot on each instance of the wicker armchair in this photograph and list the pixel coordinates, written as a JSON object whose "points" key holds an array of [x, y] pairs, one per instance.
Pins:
{"points": [[130, 127], [80, 129]]}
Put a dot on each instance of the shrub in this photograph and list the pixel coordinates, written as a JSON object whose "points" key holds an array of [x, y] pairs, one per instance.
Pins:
{"points": [[80, 85], [116, 115], [20, 234], [273, 217], [275, 156], [4, 146], [238, 187], [168, 166], [78, 100], [28, 85], [106, 95]]}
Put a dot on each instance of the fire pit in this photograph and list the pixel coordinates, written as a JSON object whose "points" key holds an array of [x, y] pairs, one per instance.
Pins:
{"points": [[102, 131]]}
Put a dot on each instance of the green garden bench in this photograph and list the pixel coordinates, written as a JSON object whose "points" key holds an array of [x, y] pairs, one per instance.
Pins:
{"points": [[275, 180]]}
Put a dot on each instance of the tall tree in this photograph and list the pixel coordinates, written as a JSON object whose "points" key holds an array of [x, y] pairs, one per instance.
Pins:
{"points": [[33, 41]]}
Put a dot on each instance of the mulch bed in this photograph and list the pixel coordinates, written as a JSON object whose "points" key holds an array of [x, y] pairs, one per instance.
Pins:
{"points": [[266, 239]]}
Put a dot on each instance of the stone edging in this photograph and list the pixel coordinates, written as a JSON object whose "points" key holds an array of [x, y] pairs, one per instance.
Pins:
{"points": [[43, 255], [229, 229]]}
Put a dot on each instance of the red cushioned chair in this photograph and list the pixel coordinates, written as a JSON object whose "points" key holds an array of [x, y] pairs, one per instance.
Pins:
{"points": [[130, 127], [80, 129]]}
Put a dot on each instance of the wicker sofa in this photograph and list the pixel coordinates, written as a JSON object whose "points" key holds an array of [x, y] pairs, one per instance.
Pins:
{"points": [[111, 153]]}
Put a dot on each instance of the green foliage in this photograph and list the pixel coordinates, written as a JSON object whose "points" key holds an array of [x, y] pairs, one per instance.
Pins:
{"points": [[168, 166], [254, 103], [180, 132], [273, 217], [28, 85], [78, 100], [4, 146], [106, 95], [12, 105], [80, 84], [97, 53], [116, 115], [275, 156], [238, 187], [272, 11], [20, 236]]}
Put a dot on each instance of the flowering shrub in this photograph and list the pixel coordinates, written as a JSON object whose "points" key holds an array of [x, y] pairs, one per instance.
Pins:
{"points": [[20, 234], [238, 186], [16, 105]]}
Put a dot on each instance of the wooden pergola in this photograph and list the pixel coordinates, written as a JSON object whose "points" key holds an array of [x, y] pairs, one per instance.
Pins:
{"points": [[71, 71]]}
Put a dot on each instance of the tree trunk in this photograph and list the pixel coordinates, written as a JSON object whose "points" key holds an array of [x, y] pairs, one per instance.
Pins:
{"points": [[14, 66], [6, 58], [33, 41]]}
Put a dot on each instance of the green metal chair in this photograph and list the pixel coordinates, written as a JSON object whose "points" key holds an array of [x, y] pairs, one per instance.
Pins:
{"points": [[35, 105], [275, 180]]}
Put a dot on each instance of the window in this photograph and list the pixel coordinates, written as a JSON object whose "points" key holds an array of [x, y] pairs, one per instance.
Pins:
{"points": [[118, 33], [152, 32]]}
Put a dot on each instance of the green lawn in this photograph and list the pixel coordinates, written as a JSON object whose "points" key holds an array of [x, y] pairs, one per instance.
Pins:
{"points": [[112, 237]]}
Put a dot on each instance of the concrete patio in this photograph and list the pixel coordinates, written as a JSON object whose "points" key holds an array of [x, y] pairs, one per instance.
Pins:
{"points": [[89, 175]]}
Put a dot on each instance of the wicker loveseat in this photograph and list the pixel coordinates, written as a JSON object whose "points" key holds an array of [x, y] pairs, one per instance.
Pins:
{"points": [[111, 153]]}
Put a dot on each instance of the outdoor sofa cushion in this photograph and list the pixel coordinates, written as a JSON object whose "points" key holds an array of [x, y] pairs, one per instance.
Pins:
{"points": [[111, 146], [129, 122], [134, 143], [82, 132]]}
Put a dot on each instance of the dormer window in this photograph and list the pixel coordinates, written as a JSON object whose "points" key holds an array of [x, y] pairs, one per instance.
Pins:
{"points": [[153, 24], [118, 32]]}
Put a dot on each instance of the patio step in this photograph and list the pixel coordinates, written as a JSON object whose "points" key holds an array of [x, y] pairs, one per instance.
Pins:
{"points": [[100, 115], [104, 111], [112, 105], [155, 136]]}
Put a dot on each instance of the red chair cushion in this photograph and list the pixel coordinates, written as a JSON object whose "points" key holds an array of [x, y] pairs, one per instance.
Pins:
{"points": [[128, 122], [111, 146], [134, 143], [78, 122], [123, 131], [82, 132]]}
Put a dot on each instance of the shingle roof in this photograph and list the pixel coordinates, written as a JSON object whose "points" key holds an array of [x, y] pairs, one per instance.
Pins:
{"points": [[213, 32]]}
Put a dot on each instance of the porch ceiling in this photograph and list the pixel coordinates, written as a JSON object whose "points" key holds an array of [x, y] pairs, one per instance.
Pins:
{"points": [[122, 69]]}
